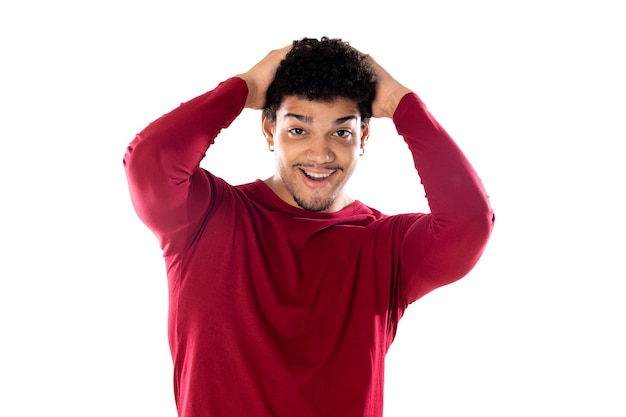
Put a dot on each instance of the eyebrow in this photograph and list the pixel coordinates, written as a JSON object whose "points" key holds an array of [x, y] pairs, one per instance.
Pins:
{"points": [[309, 120]]}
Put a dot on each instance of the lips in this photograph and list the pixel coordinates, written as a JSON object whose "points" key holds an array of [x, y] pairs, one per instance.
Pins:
{"points": [[317, 175]]}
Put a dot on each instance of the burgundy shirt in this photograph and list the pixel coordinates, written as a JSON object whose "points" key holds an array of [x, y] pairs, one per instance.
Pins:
{"points": [[279, 311]]}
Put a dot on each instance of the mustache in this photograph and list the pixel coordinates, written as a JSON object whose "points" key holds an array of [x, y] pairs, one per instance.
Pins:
{"points": [[333, 167]]}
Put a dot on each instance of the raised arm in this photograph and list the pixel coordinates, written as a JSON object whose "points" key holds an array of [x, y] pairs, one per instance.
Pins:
{"points": [[169, 191], [443, 246]]}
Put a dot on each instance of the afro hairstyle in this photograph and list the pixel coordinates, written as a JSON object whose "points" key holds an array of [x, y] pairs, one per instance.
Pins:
{"points": [[321, 70]]}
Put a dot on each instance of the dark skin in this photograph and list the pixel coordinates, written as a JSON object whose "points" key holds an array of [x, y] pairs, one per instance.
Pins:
{"points": [[316, 144]]}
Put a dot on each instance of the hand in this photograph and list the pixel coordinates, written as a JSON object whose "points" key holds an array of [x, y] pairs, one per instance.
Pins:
{"points": [[260, 76], [389, 92]]}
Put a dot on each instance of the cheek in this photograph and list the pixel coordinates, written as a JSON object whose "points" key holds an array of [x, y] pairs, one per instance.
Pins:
{"points": [[282, 151], [349, 153], [284, 157], [290, 149]]}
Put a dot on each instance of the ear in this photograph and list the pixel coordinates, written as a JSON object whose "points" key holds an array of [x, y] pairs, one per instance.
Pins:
{"points": [[365, 134], [268, 130]]}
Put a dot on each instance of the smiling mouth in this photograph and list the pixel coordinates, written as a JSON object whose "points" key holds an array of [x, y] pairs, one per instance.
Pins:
{"points": [[316, 175]]}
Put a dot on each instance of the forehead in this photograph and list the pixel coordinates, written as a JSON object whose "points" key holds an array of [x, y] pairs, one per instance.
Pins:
{"points": [[314, 110]]}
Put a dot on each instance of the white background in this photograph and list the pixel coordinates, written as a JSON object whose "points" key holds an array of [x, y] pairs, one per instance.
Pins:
{"points": [[532, 91]]}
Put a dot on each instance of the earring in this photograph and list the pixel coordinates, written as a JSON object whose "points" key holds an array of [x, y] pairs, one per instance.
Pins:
{"points": [[271, 148], [362, 151]]}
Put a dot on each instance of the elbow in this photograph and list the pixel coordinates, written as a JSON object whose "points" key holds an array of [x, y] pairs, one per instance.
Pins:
{"points": [[476, 221], [473, 233], [143, 173], [472, 237], [473, 225], [143, 163], [465, 242], [138, 153], [481, 223]]}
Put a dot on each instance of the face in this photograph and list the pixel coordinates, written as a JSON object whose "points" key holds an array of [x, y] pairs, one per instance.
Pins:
{"points": [[317, 146]]}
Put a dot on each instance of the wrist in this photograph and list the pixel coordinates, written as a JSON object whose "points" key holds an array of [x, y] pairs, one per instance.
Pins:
{"points": [[254, 100], [386, 106]]}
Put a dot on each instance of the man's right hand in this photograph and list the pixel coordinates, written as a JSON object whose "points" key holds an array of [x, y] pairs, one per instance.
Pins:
{"points": [[259, 77]]}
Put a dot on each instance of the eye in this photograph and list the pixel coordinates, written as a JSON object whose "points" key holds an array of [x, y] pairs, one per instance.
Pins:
{"points": [[297, 131], [343, 133]]}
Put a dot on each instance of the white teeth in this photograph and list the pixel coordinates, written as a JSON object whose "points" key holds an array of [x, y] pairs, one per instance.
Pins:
{"points": [[316, 175]]}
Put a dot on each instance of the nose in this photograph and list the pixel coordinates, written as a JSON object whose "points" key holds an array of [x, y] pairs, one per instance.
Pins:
{"points": [[319, 151]]}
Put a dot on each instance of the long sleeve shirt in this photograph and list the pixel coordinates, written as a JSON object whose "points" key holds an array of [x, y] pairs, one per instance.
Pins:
{"points": [[279, 311]]}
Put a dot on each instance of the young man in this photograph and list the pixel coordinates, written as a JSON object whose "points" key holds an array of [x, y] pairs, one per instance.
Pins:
{"points": [[285, 294]]}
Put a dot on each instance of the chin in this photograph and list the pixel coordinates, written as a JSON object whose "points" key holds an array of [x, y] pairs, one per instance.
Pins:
{"points": [[314, 204]]}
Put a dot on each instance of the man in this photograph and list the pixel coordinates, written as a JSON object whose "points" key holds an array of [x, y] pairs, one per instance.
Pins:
{"points": [[285, 294]]}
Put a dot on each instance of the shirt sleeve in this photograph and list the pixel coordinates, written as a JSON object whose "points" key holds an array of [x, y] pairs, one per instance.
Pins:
{"points": [[443, 246], [169, 191]]}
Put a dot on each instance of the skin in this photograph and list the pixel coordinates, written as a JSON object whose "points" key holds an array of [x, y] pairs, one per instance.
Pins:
{"points": [[317, 146], [321, 139]]}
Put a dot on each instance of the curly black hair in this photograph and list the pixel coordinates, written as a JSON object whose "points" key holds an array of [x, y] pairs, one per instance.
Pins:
{"points": [[322, 70]]}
